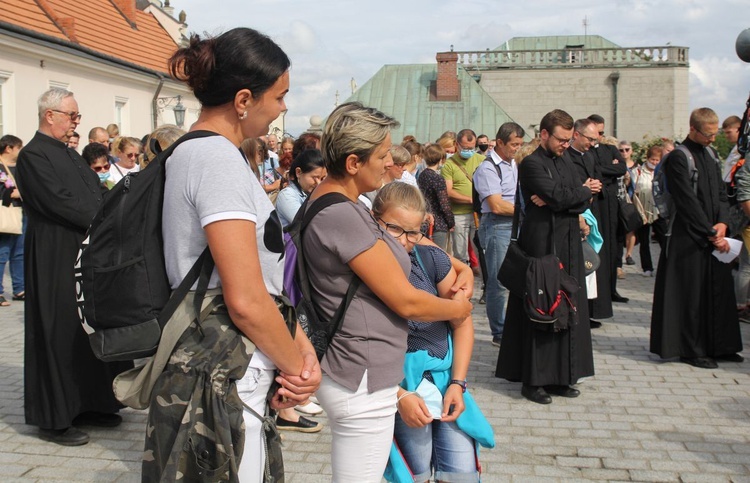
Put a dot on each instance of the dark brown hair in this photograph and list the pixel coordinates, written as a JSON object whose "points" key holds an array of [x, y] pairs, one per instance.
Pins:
{"points": [[216, 68], [554, 118]]}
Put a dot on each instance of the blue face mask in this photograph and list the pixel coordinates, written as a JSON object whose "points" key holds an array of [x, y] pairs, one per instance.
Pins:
{"points": [[103, 176], [466, 153]]}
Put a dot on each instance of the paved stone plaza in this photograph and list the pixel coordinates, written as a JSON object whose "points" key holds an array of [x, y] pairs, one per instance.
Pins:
{"points": [[638, 419]]}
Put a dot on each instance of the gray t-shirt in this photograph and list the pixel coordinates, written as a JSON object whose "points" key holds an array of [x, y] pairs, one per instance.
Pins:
{"points": [[372, 336], [209, 180]]}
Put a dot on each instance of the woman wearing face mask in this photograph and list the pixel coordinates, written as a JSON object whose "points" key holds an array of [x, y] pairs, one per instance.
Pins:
{"points": [[306, 172], [643, 184], [449, 146], [96, 155], [127, 150]]}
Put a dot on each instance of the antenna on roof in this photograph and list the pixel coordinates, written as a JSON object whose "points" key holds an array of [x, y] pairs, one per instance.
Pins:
{"points": [[585, 24]]}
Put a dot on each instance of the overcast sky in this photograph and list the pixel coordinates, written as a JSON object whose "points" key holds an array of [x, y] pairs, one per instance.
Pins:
{"points": [[332, 41]]}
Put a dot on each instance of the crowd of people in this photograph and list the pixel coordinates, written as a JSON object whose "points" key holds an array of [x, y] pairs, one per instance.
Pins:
{"points": [[418, 220]]}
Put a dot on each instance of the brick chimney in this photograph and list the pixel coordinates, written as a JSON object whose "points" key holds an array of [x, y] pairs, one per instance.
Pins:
{"points": [[447, 88], [127, 8], [67, 25]]}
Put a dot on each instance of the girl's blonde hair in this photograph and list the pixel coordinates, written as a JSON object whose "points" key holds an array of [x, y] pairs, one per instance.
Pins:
{"points": [[165, 135], [399, 195]]}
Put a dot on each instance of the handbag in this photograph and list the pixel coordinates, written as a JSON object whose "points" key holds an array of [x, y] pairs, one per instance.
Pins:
{"points": [[591, 260], [11, 217], [628, 216], [512, 273]]}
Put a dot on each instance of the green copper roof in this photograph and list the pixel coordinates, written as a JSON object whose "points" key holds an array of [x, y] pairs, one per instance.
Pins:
{"points": [[403, 91], [557, 42]]}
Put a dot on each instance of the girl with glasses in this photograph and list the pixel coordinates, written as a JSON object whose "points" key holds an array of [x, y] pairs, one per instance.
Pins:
{"points": [[438, 425]]}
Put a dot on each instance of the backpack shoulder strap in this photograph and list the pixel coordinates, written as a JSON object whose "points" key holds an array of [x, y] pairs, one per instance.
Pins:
{"points": [[691, 166], [319, 205], [185, 137], [305, 217], [496, 166]]}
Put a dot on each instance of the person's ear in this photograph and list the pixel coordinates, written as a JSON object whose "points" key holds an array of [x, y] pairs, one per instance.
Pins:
{"points": [[352, 164], [243, 100]]}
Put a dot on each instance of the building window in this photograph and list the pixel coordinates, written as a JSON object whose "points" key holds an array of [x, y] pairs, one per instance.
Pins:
{"points": [[2, 109], [5, 114], [122, 114]]}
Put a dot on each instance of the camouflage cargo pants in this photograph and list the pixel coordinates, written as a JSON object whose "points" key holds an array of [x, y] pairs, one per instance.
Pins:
{"points": [[195, 429]]}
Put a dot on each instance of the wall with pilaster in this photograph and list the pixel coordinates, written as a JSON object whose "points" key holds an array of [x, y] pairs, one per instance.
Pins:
{"points": [[652, 101]]}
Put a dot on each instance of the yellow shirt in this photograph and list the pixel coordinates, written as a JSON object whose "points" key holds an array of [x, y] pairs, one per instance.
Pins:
{"points": [[451, 172]]}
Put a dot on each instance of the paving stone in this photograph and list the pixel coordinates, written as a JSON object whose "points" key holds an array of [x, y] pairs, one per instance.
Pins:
{"points": [[637, 419]]}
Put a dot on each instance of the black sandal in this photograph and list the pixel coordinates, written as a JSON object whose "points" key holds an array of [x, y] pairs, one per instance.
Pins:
{"points": [[19, 296], [3, 302]]}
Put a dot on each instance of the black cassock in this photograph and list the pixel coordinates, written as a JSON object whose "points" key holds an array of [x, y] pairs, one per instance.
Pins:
{"points": [[601, 306], [694, 312], [605, 155], [62, 378], [527, 354]]}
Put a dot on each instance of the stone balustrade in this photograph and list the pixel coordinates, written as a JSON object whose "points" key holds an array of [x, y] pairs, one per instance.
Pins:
{"points": [[574, 57]]}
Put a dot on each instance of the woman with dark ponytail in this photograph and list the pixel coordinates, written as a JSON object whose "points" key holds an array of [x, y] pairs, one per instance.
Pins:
{"points": [[307, 171], [211, 197]]}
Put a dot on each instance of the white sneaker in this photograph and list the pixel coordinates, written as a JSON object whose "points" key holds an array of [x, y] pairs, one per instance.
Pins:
{"points": [[310, 408], [648, 273]]}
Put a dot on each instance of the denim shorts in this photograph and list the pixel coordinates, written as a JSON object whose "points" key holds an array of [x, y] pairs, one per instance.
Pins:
{"points": [[439, 446]]}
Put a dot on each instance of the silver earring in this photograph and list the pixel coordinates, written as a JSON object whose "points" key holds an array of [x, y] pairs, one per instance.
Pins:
{"points": [[243, 116]]}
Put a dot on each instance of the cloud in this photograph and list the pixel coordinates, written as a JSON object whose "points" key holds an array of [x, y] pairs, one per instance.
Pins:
{"points": [[720, 83], [331, 42], [301, 38]]}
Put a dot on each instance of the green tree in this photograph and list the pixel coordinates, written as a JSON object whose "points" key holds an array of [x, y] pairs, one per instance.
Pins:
{"points": [[722, 145]]}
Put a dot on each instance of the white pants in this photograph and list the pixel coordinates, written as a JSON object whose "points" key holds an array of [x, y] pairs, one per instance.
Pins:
{"points": [[361, 429], [252, 389]]}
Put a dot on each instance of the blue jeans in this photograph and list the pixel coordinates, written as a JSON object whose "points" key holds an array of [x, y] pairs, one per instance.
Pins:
{"points": [[11, 252], [439, 446], [494, 235]]}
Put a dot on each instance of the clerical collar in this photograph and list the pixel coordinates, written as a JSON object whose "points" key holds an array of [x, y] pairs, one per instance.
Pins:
{"points": [[577, 151], [49, 139]]}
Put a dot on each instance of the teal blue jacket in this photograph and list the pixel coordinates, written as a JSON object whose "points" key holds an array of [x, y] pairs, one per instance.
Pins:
{"points": [[471, 421]]}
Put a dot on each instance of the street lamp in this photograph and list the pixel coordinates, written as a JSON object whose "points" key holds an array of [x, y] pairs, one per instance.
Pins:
{"points": [[179, 112], [179, 109]]}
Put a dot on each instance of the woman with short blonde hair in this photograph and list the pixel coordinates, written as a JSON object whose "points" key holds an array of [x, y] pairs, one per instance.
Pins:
{"points": [[343, 244]]}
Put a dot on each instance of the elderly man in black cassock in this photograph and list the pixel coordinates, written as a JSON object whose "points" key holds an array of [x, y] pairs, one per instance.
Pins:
{"points": [[64, 384], [694, 314], [546, 359], [584, 138]]}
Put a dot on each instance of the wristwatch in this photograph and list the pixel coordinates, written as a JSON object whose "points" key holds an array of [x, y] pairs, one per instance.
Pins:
{"points": [[460, 383]]}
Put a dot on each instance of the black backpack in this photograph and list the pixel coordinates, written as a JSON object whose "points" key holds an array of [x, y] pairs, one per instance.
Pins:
{"points": [[319, 330], [121, 277], [550, 293]]}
